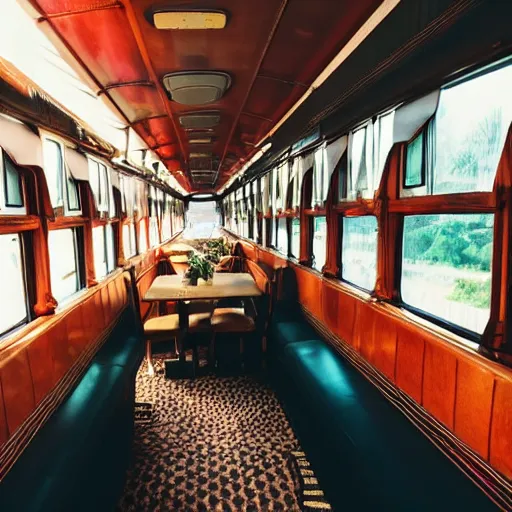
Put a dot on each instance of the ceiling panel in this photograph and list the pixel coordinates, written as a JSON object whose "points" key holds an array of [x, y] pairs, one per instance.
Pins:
{"points": [[270, 69]]}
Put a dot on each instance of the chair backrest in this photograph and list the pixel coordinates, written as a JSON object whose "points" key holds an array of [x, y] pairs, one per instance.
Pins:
{"points": [[264, 303], [234, 264]]}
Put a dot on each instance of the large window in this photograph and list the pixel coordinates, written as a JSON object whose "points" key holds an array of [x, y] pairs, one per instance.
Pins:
{"points": [[359, 251], [460, 149], [104, 250], [319, 248], [13, 301], [282, 236], [202, 219], [65, 268], [471, 124], [295, 238], [446, 267]]}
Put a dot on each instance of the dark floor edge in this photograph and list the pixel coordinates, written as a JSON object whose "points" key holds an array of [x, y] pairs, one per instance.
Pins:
{"points": [[493, 484]]}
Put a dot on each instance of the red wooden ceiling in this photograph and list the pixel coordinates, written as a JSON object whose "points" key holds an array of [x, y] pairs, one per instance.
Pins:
{"points": [[272, 49]]}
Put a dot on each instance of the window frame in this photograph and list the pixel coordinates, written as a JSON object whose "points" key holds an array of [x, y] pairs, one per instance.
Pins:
{"points": [[65, 176], [5, 207]]}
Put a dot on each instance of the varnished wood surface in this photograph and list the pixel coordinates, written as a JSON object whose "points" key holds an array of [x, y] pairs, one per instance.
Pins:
{"points": [[225, 285]]}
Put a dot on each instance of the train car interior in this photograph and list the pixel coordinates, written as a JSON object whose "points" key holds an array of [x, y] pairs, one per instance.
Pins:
{"points": [[255, 255]]}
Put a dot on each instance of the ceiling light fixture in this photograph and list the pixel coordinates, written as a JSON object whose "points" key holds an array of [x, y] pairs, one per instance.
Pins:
{"points": [[205, 140], [189, 20], [364, 31]]}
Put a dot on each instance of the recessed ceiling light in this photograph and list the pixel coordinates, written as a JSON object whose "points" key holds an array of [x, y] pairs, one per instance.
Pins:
{"points": [[200, 120], [205, 140], [189, 20], [200, 155]]}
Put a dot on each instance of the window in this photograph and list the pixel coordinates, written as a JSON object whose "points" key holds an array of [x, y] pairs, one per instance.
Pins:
{"points": [[359, 251], [471, 124], [57, 177], [13, 304], [384, 141], [295, 238], [319, 249], [100, 185], [282, 236], [53, 164], [129, 244], [64, 262], [415, 170], [446, 267], [143, 237], [13, 185], [104, 250]]}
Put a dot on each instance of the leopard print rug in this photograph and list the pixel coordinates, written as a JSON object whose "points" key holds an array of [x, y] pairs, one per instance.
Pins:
{"points": [[214, 444]]}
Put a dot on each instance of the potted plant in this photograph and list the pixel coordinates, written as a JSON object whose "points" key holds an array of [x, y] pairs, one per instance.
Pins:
{"points": [[216, 249], [199, 268]]}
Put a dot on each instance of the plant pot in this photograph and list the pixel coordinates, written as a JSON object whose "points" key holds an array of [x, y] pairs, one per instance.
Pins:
{"points": [[192, 281]]}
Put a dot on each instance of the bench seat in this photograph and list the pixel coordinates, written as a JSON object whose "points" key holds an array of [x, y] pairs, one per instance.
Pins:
{"points": [[78, 460], [366, 453]]}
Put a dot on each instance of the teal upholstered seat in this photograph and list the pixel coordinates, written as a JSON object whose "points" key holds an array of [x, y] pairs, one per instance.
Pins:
{"points": [[78, 460], [367, 454]]}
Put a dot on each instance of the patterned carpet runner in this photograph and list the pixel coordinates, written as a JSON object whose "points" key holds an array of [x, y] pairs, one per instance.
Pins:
{"points": [[211, 444]]}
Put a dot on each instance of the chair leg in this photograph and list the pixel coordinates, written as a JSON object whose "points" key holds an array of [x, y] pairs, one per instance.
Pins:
{"points": [[211, 352], [151, 368]]}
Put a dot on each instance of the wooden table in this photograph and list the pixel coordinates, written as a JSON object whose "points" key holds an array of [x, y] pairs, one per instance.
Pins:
{"points": [[225, 285]]}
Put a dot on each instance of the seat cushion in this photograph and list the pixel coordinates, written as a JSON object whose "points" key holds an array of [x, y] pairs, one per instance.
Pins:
{"points": [[376, 459], [232, 320], [123, 351], [65, 450], [168, 326]]}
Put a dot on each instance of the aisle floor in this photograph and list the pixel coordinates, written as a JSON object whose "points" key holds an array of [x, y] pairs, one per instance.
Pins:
{"points": [[212, 444]]}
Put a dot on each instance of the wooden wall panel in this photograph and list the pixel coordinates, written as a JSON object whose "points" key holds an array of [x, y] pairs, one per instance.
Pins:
{"points": [[385, 341], [347, 306], [62, 360], [364, 336], [439, 381], [473, 405], [33, 364], [500, 455], [410, 353], [41, 365], [330, 307], [4, 431], [18, 391]]}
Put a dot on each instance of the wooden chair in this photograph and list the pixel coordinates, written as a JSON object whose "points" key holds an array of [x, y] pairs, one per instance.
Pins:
{"points": [[167, 327], [252, 318]]}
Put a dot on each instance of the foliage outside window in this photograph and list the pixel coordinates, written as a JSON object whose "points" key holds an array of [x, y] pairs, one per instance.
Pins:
{"points": [[295, 238], [359, 251], [415, 173], [446, 267], [14, 303], [471, 124], [64, 263], [319, 248]]}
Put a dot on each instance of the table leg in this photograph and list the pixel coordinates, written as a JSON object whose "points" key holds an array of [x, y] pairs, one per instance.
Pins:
{"points": [[183, 318]]}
